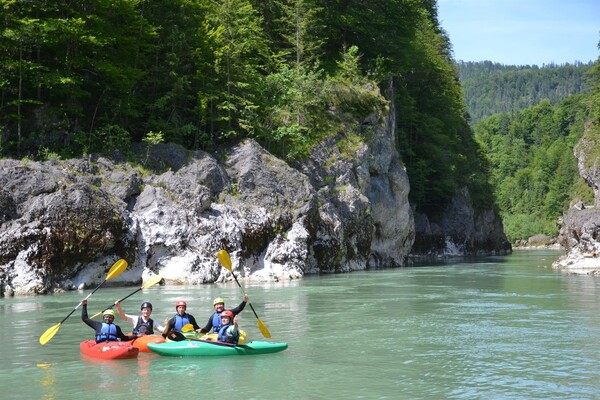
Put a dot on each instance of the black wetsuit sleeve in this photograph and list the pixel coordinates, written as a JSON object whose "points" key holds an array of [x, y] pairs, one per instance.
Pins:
{"points": [[123, 336], [193, 322], [95, 325], [208, 325], [239, 308]]}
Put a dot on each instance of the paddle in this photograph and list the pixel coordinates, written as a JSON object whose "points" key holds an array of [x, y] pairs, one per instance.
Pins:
{"points": [[179, 337], [114, 271], [150, 282], [225, 261]]}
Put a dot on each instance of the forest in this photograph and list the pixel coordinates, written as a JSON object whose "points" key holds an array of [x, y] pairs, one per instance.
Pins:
{"points": [[80, 78], [530, 150], [492, 88], [91, 77]]}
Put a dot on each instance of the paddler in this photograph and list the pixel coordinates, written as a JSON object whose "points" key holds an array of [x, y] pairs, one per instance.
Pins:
{"points": [[106, 331], [142, 324], [229, 331], [214, 322], [180, 319]]}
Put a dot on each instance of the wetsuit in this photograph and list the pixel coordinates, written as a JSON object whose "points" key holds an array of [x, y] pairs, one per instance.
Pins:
{"points": [[178, 321], [104, 331], [214, 322]]}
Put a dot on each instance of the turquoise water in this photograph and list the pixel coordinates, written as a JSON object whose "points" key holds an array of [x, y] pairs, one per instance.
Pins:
{"points": [[498, 328]]}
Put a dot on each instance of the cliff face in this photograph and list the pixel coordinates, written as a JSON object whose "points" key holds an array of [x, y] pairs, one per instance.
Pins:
{"points": [[580, 230], [462, 230], [63, 223], [346, 208]]}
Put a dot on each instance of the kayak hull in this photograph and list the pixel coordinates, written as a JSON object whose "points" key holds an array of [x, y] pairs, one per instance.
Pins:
{"points": [[200, 348], [142, 342], [108, 350]]}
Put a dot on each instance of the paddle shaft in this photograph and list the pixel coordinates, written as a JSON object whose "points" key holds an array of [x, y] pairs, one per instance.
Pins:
{"points": [[179, 337], [238, 283], [115, 270], [225, 260], [81, 302], [124, 298]]}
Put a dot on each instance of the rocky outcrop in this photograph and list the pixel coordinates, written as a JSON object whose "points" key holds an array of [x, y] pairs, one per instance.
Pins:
{"points": [[580, 230], [462, 230], [64, 223]]}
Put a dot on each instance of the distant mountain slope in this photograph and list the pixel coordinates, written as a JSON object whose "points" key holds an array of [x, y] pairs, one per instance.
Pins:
{"points": [[491, 88]]}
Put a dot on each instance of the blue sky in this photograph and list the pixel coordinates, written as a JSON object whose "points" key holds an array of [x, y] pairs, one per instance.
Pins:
{"points": [[522, 32]]}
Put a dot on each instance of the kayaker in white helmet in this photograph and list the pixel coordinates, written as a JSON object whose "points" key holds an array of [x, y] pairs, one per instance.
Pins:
{"points": [[214, 322], [142, 324], [106, 331]]}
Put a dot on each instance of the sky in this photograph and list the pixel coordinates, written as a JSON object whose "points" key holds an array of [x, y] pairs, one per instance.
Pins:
{"points": [[522, 32]]}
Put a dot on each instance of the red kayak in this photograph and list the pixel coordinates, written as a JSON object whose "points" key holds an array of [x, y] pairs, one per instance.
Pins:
{"points": [[142, 342], [108, 350]]}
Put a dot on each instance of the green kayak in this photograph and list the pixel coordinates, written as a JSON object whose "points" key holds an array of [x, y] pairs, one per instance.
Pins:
{"points": [[210, 348]]}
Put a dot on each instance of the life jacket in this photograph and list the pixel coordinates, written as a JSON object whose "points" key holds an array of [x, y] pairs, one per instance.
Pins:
{"points": [[216, 322], [180, 321], [108, 333], [226, 337], [144, 327]]}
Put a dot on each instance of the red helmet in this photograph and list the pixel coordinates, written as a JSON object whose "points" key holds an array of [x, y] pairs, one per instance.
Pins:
{"points": [[227, 313], [180, 303]]}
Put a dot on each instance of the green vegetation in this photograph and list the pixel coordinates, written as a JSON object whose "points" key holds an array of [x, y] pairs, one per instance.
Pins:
{"points": [[86, 77], [534, 171], [493, 88]]}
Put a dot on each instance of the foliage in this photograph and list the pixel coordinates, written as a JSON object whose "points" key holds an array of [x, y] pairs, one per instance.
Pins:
{"points": [[533, 168], [93, 76], [492, 88]]}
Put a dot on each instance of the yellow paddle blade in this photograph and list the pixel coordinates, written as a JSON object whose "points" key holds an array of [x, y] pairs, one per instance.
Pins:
{"points": [[152, 281], [116, 269], [224, 259], [49, 334], [187, 328], [263, 329]]}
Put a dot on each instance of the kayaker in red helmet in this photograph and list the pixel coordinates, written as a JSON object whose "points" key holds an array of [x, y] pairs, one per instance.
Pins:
{"points": [[229, 331], [106, 331], [142, 324], [180, 319], [214, 322]]}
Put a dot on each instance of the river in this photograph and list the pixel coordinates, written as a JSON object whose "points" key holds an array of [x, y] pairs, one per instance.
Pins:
{"points": [[505, 327]]}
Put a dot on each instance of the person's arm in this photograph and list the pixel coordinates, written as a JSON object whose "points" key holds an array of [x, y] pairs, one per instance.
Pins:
{"points": [[121, 313], [208, 326], [84, 317], [194, 323], [168, 326], [123, 336], [240, 306], [235, 331], [157, 328]]}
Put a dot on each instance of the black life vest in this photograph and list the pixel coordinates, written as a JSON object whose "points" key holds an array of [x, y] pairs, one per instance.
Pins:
{"points": [[142, 327]]}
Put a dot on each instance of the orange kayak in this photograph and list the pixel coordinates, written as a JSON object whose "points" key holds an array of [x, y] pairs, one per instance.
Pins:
{"points": [[142, 342], [108, 350]]}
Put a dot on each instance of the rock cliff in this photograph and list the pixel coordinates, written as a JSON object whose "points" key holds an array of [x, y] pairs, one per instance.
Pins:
{"points": [[580, 229], [345, 208], [63, 223]]}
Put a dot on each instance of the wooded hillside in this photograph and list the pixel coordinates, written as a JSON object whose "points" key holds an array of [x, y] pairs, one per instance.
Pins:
{"points": [[85, 77], [492, 88], [533, 167]]}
